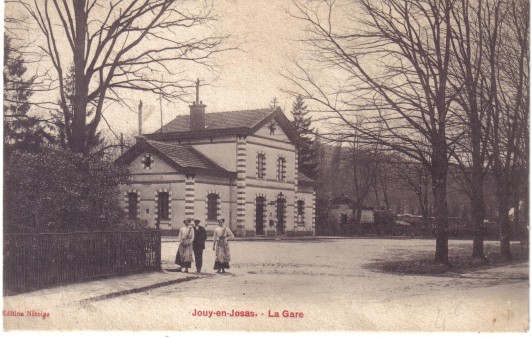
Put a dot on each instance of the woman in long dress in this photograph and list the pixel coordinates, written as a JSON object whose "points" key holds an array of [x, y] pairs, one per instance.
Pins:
{"points": [[222, 235], [184, 252]]}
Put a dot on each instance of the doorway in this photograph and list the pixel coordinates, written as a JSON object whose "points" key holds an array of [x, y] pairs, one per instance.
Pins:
{"points": [[260, 204], [281, 208]]}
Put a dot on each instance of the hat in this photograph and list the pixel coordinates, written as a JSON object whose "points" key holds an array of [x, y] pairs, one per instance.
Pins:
{"points": [[197, 221]]}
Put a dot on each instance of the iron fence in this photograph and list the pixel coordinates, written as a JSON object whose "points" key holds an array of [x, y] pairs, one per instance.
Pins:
{"points": [[33, 261]]}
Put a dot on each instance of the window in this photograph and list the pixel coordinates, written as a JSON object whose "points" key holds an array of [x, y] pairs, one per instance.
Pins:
{"points": [[147, 161], [212, 207], [281, 169], [132, 205], [300, 210], [261, 165], [164, 204]]}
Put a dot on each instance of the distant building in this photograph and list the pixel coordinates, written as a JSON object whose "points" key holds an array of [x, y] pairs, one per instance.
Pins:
{"points": [[343, 209], [239, 165]]}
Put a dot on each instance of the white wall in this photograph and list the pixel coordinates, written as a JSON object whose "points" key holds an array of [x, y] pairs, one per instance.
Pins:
{"points": [[158, 166], [205, 184], [278, 135], [272, 146], [221, 151]]}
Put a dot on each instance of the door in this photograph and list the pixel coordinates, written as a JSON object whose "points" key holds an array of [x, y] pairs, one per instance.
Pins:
{"points": [[281, 206], [260, 201]]}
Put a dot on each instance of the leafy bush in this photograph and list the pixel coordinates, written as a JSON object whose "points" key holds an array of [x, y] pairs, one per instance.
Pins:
{"points": [[56, 190]]}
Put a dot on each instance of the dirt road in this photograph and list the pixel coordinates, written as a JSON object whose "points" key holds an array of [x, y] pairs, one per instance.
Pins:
{"points": [[297, 285]]}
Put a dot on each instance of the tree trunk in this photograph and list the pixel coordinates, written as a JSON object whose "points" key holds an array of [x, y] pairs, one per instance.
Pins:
{"points": [[477, 212], [358, 216], [524, 235], [504, 220], [425, 210], [384, 184], [439, 189], [470, 64], [376, 190], [422, 209], [79, 120], [515, 225]]}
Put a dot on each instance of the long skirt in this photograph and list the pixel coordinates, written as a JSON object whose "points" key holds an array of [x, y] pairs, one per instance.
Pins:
{"points": [[223, 255], [184, 256]]}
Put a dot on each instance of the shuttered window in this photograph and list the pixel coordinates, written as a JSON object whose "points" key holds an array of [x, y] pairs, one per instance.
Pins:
{"points": [[281, 169], [212, 207], [132, 205], [164, 205], [261, 165]]}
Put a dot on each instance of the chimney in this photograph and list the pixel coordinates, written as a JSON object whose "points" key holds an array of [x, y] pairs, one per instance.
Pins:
{"points": [[140, 119], [197, 112]]}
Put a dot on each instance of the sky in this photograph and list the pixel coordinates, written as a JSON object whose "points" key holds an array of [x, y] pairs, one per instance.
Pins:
{"points": [[248, 78]]}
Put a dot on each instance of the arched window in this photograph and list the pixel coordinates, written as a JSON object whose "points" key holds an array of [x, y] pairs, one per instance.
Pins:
{"points": [[212, 207]]}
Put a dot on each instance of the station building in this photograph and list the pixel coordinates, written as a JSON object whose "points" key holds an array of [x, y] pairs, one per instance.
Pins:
{"points": [[236, 165]]}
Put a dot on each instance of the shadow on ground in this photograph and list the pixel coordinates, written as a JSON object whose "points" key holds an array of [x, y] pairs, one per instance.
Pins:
{"points": [[412, 262]]}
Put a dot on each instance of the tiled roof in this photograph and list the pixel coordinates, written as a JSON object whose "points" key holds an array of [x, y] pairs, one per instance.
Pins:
{"points": [[342, 199], [185, 156], [217, 121], [304, 178]]}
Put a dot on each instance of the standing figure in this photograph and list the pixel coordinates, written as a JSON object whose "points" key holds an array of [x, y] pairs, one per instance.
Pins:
{"points": [[198, 245], [184, 252], [222, 235]]}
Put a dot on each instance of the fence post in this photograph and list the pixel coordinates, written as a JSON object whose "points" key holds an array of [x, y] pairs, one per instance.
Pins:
{"points": [[158, 250]]}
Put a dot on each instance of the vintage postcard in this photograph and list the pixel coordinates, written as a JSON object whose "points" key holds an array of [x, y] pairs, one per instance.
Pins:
{"points": [[266, 166]]}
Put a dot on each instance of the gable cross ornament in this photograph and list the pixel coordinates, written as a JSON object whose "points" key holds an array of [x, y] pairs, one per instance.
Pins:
{"points": [[272, 127]]}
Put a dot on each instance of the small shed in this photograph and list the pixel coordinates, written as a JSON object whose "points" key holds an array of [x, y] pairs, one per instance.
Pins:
{"points": [[343, 209]]}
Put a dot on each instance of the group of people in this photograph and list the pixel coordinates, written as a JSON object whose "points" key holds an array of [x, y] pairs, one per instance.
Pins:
{"points": [[192, 237]]}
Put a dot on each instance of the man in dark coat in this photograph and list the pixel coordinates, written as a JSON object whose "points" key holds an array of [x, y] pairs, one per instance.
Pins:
{"points": [[198, 245]]}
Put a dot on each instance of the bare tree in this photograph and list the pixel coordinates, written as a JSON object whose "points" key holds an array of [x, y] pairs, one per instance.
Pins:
{"points": [[394, 64], [474, 23], [117, 47], [381, 180], [490, 41], [416, 178], [362, 160], [508, 86]]}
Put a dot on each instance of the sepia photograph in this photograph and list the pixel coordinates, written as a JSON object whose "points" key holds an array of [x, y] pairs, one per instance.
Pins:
{"points": [[266, 166]]}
